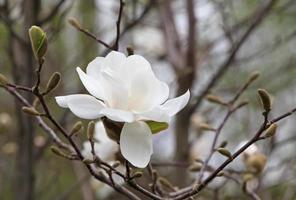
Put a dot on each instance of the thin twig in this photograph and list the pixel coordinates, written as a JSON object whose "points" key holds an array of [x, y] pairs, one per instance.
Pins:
{"points": [[118, 23], [225, 65]]}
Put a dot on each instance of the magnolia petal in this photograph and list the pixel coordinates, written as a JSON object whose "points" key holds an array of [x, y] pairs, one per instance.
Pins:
{"points": [[132, 65], [114, 60], [62, 101], [100, 133], [155, 114], [91, 85], [94, 67], [82, 105], [118, 115], [116, 93], [161, 93], [146, 92], [173, 106], [136, 143]]}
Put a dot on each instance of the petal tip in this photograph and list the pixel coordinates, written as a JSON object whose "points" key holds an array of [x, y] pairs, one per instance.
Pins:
{"points": [[61, 101]]}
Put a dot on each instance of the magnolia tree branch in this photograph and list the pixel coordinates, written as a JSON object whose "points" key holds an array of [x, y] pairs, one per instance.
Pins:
{"points": [[118, 25], [232, 108], [225, 65], [52, 13], [190, 191]]}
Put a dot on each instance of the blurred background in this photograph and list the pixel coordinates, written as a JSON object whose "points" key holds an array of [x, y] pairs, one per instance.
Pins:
{"points": [[207, 46]]}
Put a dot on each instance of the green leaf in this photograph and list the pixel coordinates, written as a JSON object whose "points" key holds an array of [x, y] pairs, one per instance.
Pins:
{"points": [[156, 127]]}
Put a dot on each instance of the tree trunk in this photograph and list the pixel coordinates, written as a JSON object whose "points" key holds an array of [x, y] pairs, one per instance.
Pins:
{"points": [[23, 71]]}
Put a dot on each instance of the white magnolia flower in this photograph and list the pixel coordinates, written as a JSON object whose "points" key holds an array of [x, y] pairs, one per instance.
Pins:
{"points": [[125, 89]]}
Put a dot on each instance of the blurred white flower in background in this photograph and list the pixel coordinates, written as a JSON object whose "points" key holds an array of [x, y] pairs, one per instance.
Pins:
{"points": [[105, 149], [125, 89], [150, 39]]}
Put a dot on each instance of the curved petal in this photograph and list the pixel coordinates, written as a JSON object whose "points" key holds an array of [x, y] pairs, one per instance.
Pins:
{"points": [[118, 115], [100, 133], [82, 105], [94, 67], [62, 101], [131, 66], [86, 150], [173, 106], [116, 93], [155, 114], [114, 60], [91, 85], [136, 143], [146, 92]]}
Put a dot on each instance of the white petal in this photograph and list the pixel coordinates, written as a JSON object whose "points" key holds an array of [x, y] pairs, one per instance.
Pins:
{"points": [[100, 133], [136, 143], [92, 85], [155, 114], [114, 60], [146, 92], [162, 92], [118, 115], [62, 101], [94, 67], [174, 105], [86, 150], [116, 93], [132, 65], [83, 106]]}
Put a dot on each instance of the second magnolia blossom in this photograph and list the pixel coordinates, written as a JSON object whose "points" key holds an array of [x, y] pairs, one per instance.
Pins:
{"points": [[125, 89]]}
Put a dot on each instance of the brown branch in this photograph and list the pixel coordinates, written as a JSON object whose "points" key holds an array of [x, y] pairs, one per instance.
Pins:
{"points": [[92, 36], [118, 23], [192, 190], [171, 35], [224, 67], [40, 121], [53, 13]]}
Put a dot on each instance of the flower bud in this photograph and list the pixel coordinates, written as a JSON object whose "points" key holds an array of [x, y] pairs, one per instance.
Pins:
{"points": [[195, 167], [265, 99], [256, 162], [36, 103], [90, 130], [74, 22], [220, 174], [242, 103], [215, 99], [58, 152], [53, 82], [78, 126], [137, 175], [30, 110], [223, 144], [3, 80], [271, 130], [116, 164], [206, 127], [38, 42], [198, 160], [166, 183], [130, 51], [253, 76], [247, 176], [87, 161], [224, 152]]}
